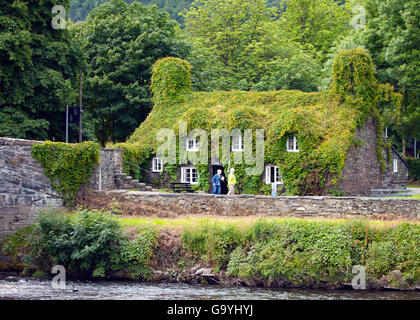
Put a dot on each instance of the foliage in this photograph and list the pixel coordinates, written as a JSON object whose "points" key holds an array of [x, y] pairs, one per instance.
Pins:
{"points": [[302, 252], [324, 122], [81, 8], [213, 242], [413, 168], [86, 243], [120, 44], [239, 44], [391, 37], [38, 68], [315, 24], [267, 251], [68, 166], [171, 77], [137, 254]]}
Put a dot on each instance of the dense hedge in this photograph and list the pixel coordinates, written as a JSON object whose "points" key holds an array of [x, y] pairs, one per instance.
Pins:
{"points": [[273, 252], [324, 122], [68, 166], [413, 168]]}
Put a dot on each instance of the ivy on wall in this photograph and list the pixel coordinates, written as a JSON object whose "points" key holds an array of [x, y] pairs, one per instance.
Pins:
{"points": [[324, 122], [68, 166]]}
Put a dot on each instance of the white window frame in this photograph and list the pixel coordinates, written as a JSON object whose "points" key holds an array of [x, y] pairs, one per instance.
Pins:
{"points": [[294, 147], [195, 145], [184, 175], [277, 175], [237, 145], [395, 165], [157, 165]]}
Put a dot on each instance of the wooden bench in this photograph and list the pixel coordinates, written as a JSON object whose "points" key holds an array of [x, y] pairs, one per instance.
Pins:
{"points": [[389, 193], [181, 187]]}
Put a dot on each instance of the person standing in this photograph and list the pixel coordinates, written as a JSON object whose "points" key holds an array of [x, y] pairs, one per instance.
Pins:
{"points": [[231, 182], [217, 182]]}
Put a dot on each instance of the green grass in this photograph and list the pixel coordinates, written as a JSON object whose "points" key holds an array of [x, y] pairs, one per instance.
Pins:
{"points": [[412, 186], [415, 196], [241, 222]]}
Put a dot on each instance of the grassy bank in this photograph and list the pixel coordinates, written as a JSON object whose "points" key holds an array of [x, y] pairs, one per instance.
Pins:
{"points": [[257, 252]]}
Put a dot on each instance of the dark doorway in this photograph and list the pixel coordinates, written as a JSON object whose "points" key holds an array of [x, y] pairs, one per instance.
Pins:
{"points": [[224, 187]]}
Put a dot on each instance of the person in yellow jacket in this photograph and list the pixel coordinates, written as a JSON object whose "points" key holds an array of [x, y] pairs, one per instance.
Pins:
{"points": [[231, 182]]}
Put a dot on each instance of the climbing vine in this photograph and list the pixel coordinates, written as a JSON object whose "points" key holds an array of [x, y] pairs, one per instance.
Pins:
{"points": [[67, 166], [325, 123]]}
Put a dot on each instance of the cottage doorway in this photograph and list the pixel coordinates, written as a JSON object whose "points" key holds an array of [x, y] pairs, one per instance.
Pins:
{"points": [[224, 187]]}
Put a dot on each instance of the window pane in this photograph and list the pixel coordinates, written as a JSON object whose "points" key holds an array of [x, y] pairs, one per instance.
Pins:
{"points": [[194, 176], [290, 143]]}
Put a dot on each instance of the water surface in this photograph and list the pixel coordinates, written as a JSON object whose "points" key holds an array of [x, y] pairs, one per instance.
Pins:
{"points": [[30, 289]]}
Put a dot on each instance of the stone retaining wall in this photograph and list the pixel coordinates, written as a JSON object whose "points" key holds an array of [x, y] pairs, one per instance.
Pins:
{"points": [[173, 205], [25, 190]]}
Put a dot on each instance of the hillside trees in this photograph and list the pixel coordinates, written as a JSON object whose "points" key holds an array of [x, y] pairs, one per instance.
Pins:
{"points": [[239, 44], [392, 37], [37, 67], [121, 42]]}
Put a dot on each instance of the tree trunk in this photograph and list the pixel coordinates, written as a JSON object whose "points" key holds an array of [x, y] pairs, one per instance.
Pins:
{"points": [[403, 147]]}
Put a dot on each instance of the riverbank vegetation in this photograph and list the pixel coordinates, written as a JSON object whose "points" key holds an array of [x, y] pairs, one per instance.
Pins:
{"points": [[270, 252]]}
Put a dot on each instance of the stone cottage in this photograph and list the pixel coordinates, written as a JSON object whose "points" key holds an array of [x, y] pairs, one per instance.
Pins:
{"points": [[327, 142]]}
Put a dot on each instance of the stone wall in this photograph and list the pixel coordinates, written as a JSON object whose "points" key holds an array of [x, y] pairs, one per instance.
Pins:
{"points": [[24, 189], [362, 171], [110, 164], [171, 205]]}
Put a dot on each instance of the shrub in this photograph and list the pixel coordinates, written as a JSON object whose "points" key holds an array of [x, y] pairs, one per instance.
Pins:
{"points": [[413, 168], [138, 254], [85, 243]]}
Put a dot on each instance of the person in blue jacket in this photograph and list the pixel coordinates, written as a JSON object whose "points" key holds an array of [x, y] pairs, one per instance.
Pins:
{"points": [[217, 182]]}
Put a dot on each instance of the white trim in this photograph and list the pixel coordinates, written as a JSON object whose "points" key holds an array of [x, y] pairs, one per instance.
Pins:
{"points": [[195, 145], [294, 147], [238, 146], [277, 175], [157, 165], [188, 177], [395, 165]]}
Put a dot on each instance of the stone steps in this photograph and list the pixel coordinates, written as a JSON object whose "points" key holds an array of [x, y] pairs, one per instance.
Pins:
{"points": [[124, 181]]}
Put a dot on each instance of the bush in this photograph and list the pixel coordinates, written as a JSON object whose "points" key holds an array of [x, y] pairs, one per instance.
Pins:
{"points": [[213, 242], [86, 243], [138, 254]]}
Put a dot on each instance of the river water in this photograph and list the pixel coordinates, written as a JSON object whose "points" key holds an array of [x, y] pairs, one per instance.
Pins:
{"points": [[30, 289]]}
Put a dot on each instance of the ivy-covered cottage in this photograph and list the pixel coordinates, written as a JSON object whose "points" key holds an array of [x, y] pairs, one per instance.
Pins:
{"points": [[328, 142]]}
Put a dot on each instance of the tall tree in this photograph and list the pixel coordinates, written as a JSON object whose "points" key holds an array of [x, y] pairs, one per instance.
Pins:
{"points": [[121, 42], [315, 23], [37, 66], [392, 37], [238, 44]]}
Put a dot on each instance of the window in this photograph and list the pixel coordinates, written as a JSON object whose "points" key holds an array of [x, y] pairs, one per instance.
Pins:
{"points": [[237, 143], [272, 175], [395, 165], [157, 165], [189, 175], [292, 144], [192, 144]]}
